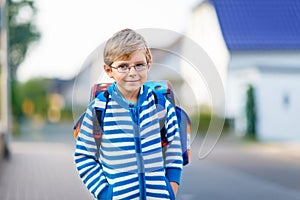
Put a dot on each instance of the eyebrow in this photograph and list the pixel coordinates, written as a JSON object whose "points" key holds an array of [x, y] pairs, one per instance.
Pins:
{"points": [[125, 62]]}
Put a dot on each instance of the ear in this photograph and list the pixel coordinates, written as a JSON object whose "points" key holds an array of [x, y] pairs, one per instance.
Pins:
{"points": [[149, 65], [108, 71]]}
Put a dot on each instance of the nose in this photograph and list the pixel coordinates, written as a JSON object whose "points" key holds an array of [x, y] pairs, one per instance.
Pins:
{"points": [[130, 71]]}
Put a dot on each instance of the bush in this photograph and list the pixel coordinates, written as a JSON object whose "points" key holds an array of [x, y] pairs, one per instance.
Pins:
{"points": [[250, 113], [201, 122]]}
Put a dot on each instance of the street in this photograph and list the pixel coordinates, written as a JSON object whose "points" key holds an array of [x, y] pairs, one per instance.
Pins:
{"points": [[41, 168], [243, 171]]}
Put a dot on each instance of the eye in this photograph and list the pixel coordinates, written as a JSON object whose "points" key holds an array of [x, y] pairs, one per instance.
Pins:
{"points": [[140, 65], [123, 66]]}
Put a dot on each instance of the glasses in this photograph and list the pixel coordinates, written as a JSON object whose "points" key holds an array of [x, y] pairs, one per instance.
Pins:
{"points": [[125, 68]]}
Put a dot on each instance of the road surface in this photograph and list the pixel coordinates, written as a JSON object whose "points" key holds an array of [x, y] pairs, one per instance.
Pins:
{"points": [[41, 168]]}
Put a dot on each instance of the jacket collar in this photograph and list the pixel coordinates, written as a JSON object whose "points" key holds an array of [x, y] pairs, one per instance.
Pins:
{"points": [[117, 96]]}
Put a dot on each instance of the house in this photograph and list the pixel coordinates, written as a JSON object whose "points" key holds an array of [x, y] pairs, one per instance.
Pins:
{"points": [[263, 39], [205, 70]]}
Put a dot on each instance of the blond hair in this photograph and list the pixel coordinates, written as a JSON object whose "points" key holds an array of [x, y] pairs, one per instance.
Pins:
{"points": [[122, 44]]}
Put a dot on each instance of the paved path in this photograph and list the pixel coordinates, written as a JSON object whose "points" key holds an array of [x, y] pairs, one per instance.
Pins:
{"points": [[40, 171], [243, 171], [42, 168]]}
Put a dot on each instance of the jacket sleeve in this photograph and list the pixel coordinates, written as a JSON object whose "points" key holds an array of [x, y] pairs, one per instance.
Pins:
{"points": [[90, 170], [173, 153]]}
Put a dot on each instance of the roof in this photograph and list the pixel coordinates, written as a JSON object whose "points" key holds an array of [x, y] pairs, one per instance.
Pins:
{"points": [[259, 24]]}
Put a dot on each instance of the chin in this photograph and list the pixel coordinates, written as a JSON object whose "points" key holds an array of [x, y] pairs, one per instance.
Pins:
{"points": [[133, 88]]}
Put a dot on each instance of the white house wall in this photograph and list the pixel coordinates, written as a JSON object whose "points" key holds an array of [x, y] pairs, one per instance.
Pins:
{"points": [[237, 85], [275, 76], [244, 59], [278, 106], [204, 30]]}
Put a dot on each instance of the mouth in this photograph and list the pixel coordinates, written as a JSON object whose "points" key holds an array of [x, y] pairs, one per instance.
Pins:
{"points": [[132, 81]]}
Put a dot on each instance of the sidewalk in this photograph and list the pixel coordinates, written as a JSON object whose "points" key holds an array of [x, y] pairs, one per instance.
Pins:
{"points": [[237, 170], [40, 171], [276, 162], [282, 150], [42, 168]]}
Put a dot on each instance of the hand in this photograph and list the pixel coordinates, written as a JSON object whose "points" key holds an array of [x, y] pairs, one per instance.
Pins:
{"points": [[174, 186]]}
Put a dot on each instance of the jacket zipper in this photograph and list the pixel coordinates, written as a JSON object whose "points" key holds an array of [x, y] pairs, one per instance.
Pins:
{"points": [[141, 171]]}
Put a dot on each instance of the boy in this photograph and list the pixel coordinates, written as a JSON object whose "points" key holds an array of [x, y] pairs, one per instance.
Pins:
{"points": [[132, 163]]}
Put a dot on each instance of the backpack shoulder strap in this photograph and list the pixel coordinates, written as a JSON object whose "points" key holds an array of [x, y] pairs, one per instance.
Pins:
{"points": [[184, 123], [160, 102], [77, 125], [100, 107]]}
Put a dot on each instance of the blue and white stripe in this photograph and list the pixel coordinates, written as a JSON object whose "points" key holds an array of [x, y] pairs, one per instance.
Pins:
{"points": [[131, 162]]}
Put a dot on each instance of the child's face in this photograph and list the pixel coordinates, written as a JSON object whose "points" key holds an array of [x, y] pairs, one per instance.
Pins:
{"points": [[129, 83]]}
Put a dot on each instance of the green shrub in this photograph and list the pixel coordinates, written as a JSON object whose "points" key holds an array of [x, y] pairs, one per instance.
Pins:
{"points": [[250, 112]]}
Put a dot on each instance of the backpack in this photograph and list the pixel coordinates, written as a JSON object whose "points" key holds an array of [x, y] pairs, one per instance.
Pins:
{"points": [[162, 90]]}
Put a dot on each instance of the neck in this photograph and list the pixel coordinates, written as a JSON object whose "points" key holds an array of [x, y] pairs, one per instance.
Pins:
{"points": [[130, 96]]}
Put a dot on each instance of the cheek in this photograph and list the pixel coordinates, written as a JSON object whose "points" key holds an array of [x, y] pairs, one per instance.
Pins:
{"points": [[118, 77], [110, 75], [145, 75]]}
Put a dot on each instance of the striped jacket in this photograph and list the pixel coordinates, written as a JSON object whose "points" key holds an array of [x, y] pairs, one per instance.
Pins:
{"points": [[131, 164]]}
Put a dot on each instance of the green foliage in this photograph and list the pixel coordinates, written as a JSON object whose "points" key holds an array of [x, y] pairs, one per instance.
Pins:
{"points": [[36, 91], [66, 114], [16, 100], [34, 99], [250, 112], [22, 31], [201, 122]]}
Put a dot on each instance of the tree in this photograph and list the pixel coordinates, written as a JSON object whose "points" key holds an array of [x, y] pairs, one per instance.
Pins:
{"points": [[22, 33], [33, 97]]}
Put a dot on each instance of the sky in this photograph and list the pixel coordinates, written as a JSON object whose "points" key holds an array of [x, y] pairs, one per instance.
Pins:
{"points": [[71, 30]]}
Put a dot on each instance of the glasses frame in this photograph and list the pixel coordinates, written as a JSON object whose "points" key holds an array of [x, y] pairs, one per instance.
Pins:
{"points": [[129, 67]]}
